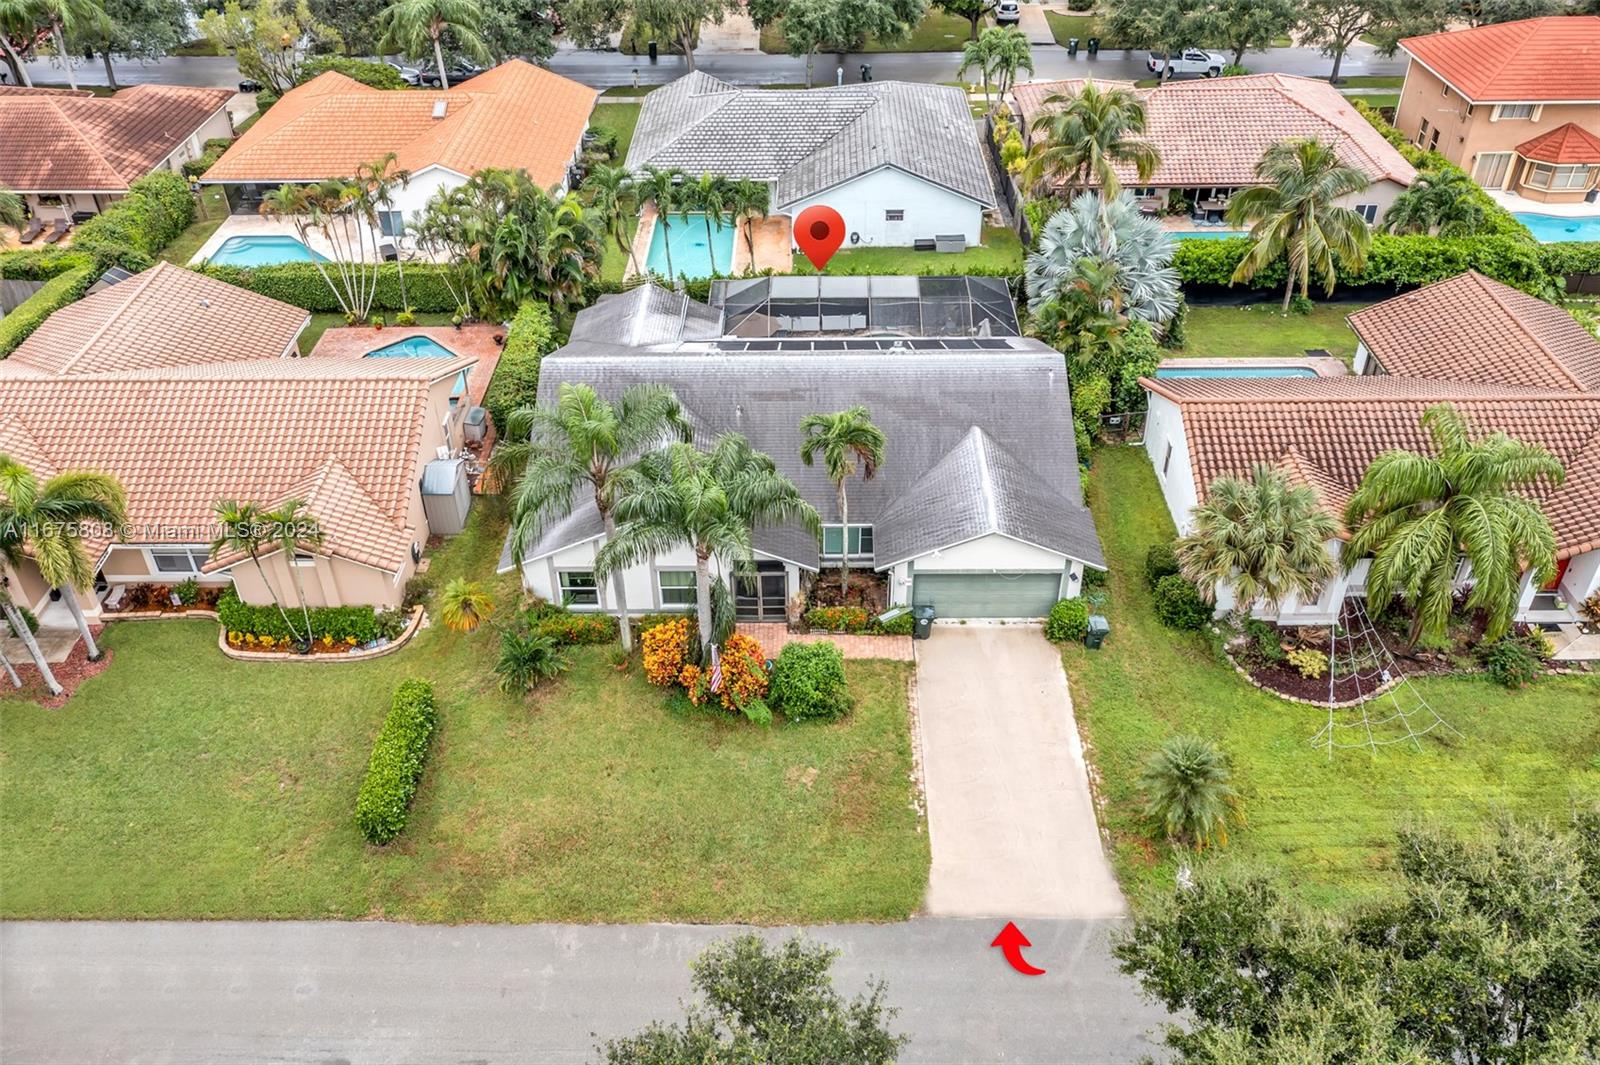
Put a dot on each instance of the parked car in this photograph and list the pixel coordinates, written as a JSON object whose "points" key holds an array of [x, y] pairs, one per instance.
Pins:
{"points": [[1007, 11], [1192, 61], [409, 74], [457, 71]]}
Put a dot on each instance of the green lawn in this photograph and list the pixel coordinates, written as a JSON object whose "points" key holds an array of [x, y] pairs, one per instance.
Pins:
{"points": [[181, 784], [321, 323], [212, 212], [1327, 826], [1001, 250], [614, 263], [1373, 81], [938, 31], [1080, 26], [1376, 99], [1226, 332], [618, 117]]}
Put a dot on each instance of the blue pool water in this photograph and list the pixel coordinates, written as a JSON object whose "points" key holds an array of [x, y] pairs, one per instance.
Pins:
{"points": [[1548, 229], [1235, 371], [263, 251], [1210, 234], [692, 256], [422, 348]]}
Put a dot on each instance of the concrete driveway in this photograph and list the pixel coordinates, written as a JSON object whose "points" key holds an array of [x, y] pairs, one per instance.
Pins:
{"points": [[1010, 816]]}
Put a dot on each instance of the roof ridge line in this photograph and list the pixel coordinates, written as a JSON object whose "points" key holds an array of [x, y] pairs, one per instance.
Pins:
{"points": [[1499, 300], [985, 477], [148, 278]]}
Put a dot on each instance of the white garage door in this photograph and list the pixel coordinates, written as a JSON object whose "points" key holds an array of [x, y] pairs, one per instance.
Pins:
{"points": [[987, 595]]}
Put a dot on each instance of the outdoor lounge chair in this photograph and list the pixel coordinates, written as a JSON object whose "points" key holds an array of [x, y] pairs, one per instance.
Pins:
{"points": [[31, 233], [58, 229]]}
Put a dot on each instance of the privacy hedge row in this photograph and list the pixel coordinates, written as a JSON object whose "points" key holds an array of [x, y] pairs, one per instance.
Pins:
{"points": [[395, 768], [40, 264], [515, 384], [341, 623], [31, 312], [133, 230], [302, 285]]}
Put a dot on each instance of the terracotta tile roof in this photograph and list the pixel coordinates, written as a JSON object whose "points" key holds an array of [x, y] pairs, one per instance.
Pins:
{"points": [[1470, 327], [1567, 143], [1213, 132], [165, 317], [1325, 431], [514, 116], [1535, 60], [70, 143]]}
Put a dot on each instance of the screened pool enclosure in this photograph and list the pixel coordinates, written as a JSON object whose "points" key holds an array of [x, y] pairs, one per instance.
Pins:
{"points": [[866, 306]]}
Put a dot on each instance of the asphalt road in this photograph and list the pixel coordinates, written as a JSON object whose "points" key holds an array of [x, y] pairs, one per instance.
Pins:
{"points": [[327, 992]]}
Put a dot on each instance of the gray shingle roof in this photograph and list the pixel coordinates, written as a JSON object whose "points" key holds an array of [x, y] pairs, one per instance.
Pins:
{"points": [[809, 141]]}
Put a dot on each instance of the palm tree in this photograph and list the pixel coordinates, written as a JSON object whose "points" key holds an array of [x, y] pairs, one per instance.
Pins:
{"points": [[463, 605], [49, 521], [291, 528], [1083, 136], [17, 19], [1112, 231], [843, 439], [1186, 789], [1084, 316], [526, 658], [1443, 203], [748, 200], [661, 188], [550, 451], [19, 625], [1295, 211], [1417, 515], [377, 182], [710, 196], [710, 499], [338, 210], [75, 17], [244, 532], [611, 192], [978, 54], [1264, 537], [413, 26], [11, 210], [5, 663]]}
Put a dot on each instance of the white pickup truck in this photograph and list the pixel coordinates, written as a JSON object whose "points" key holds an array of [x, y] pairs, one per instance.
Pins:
{"points": [[1191, 61]]}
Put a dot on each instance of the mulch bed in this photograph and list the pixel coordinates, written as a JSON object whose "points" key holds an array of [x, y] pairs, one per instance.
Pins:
{"points": [[1285, 679], [69, 674]]}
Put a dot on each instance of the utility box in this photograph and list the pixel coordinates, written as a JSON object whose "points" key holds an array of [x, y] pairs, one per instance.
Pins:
{"points": [[476, 426], [924, 626], [1099, 629], [446, 496]]}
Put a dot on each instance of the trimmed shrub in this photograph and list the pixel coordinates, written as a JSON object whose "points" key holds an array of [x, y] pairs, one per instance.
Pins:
{"points": [[395, 768], [133, 230], [904, 625], [567, 628], [808, 682], [1311, 662], [852, 619], [301, 285], [351, 625], [40, 264], [666, 650], [1160, 561], [1510, 662], [516, 377], [1178, 604], [1068, 621], [30, 313]]}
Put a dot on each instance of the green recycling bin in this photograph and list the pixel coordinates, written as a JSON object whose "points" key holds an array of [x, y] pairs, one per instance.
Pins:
{"points": [[1099, 629]]}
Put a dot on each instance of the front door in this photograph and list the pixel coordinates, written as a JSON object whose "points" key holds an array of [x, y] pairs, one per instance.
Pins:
{"points": [[764, 595]]}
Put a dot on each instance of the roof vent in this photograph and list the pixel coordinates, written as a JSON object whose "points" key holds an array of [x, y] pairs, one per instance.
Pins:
{"points": [[205, 304], [439, 107]]}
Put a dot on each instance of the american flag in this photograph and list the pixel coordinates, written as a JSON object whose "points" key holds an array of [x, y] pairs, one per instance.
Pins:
{"points": [[716, 669]]}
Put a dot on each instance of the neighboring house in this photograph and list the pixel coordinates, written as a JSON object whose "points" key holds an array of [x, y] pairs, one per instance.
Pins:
{"points": [[1211, 134], [73, 153], [900, 162], [1512, 368], [976, 510], [180, 386], [1516, 105]]}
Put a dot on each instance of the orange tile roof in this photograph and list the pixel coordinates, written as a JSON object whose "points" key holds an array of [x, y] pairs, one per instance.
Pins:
{"points": [[1214, 132], [1567, 143], [62, 142], [514, 116], [1472, 328], [165, 316], [1536, 60]]}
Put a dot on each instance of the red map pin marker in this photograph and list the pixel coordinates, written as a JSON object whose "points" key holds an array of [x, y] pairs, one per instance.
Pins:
{"points": [[819, 231]]}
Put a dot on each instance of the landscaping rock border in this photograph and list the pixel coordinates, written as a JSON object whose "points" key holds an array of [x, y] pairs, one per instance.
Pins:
{"points": [[1545, 670], [418, 617]]}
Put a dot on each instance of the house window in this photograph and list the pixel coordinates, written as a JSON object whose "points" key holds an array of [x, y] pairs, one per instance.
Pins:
{"points": [[391, 223], [677, 587], [1166, 459], [178, 561], [1368, 212], [304, 560], [1433, 141], [1512, 112], [894, 216], [1548, 176], [578, 588], [835, 542], [1422, 134]]}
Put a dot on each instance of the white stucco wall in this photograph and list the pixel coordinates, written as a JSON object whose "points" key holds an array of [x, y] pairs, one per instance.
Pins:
{"points": [[1163, 428], [930, 211], [1582, 578], [1380, 193], [541, 576]]}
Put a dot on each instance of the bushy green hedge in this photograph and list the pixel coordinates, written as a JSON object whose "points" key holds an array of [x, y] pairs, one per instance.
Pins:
{"points": [[302, 285], [1568, 257], [808, 682], [515, 384], [133, 230], [377, 75], [210, 153], [1178, 604], [1160, 561], [40, 264], [30, 313], [1068, 621], [395, 768], [856, 621], [340, 623]]}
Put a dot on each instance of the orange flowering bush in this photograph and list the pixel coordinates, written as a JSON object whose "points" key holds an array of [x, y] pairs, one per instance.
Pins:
{"points": [[744, 672], [666, 646]]}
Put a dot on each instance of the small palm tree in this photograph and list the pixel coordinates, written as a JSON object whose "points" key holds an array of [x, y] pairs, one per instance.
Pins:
{"points": [[377, 182], [710, 196], [1417, 515], [1263, 537], [11, 210], [843, 439], [1295, 212], [413, 26], [292, 529], [978, 54], [1444, 203], [748, 201], [1186, 791], [1082, 136], [1009, 54], [661, 187], [526, 658], [1084, 316], [582, 440], [610, 190], [463, 605], [244, 532]]}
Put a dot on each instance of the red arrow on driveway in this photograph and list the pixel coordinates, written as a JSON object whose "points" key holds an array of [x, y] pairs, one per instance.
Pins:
{"points": [[1011, 941]]}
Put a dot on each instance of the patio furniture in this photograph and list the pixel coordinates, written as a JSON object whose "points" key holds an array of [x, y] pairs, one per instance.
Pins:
{"points": [[30, 234], [58, 229], [114, 600]]}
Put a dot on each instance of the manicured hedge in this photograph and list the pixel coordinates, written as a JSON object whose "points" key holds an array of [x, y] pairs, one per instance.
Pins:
{"points": [[808, 682], [340, 623], [40, 264], [377, 75], [568, 628], [516, 377], [855, 620], [133, 230], [398, 757], [302, 285], [31, 312], [1068, 621]]}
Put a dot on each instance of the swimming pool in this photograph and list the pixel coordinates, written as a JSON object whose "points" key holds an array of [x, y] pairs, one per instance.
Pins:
{"points": [[1549, 229], [421, 347], [263, 251], [692, 255], [1208, 234], [1235, 371]]}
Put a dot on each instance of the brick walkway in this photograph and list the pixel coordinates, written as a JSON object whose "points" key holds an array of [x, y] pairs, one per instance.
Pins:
{"points": [[772, 637], [475, 341]]}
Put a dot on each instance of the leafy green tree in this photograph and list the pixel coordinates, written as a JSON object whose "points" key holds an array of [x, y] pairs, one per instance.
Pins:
{"points": [[377, 75], [664, 189], [709, 196], [1242, 25], [1081, 136], [844, 439], [354, 21], [77, 19], [463, 605], [1083, 316], [1294, 212], [767, 1006], [1187, 791], [1334, 25], [267, 38], [1442, 202], [610, 191], [414, 27], [1263, 537], [137, 29], [526, 658], [244, 531], [971, 10], [549, 452], [1416, 515], [711, 500], [748, 201], [590, 22], [1166, 27], [519, 29], [814, 26]]}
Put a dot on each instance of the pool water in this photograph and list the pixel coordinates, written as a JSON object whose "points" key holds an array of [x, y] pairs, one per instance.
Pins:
{"points": [[1235, 371], [263, 251], [1548, 229], [420, 347], [1209, 234], [692, 255]]}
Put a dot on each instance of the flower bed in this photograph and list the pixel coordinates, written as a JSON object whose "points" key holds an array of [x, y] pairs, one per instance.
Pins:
{"points": [[282, 649], [855, 621], [152, 599]]}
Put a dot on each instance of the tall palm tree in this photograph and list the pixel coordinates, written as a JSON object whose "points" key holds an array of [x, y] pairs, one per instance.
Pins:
{"points": [[843, 439], [377, 182], [583, 440], [11, 210], [978, 54], [610, 190], [17, 19], [748, 201], [414, 26], [49, 521], [292, 528], [1418, 514], [5, 663], [1084, 316], [710, 197], [1010, 55], [661, 188], [75, 17], [1295, 211], [337, 210], [1082, 136], [711, 500], [19, 625], [1443, 203], [243, 531], [1264, 537]]}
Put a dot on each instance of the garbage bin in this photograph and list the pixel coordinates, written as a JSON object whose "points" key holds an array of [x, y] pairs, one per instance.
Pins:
{"points": [[924, 626], [1099, 629], [1072, 46], [1094, 45]]}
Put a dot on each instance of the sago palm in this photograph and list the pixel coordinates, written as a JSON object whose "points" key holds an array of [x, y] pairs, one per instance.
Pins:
{"points": [[1294, 212], [582, 440], [463, 605], [526, 658], [413, 26], [1444, 203], [847, 440], [1082, 136], [1417, 515], [1186, 791], [1264, 537]]}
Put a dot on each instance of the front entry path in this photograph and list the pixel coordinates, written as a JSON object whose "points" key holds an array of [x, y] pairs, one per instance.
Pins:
{"points": [[1011, 819]]}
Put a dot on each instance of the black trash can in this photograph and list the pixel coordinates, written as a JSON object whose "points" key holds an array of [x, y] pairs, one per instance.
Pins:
{"points": [[924, 626], [653, 51], [1072, 46], [1099, 629], [1094, 45], [866, 71]]}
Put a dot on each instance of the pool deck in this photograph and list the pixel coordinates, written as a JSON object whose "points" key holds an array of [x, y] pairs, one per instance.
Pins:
{"points": [[475, 341], [250, 225], [1324, 366], [772, 244], [1522, 205]]}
